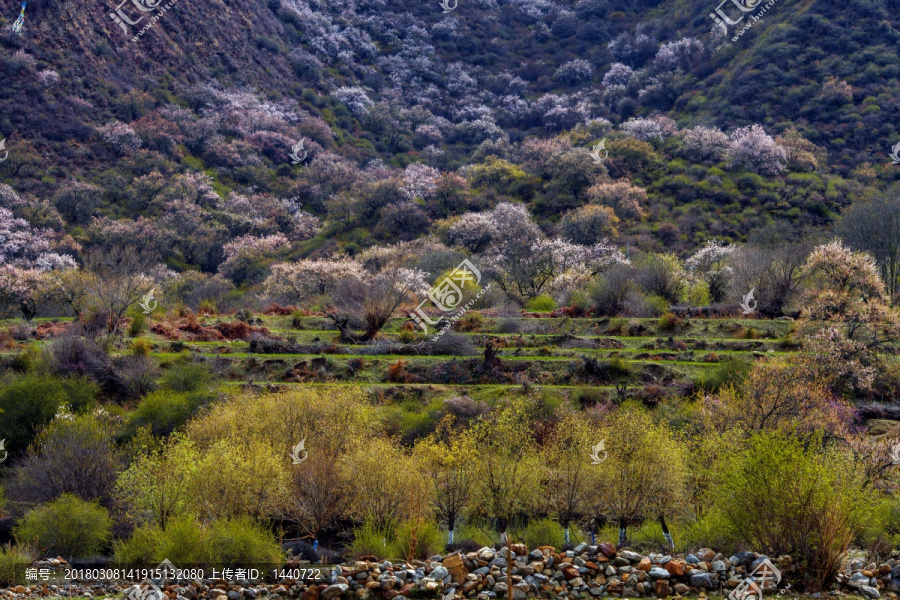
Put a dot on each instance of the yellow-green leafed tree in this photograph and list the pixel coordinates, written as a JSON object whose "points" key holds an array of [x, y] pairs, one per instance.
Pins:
{"points": [[311, 492], [243, 477], [568, 475], [319, 491], [447, 461], [381, 478], [643, 475], [508, 469], [157, 486], [333, 418]]}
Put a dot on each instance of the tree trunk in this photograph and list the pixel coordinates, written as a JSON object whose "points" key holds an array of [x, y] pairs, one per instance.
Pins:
{"points": [[666, 534], [623, 526], [343, 325]]}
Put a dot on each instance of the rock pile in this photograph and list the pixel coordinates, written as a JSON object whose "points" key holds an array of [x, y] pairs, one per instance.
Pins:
{"points": [[585, 572]]}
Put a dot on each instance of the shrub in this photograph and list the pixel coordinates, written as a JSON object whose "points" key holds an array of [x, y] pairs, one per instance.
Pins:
{"points": [[541, 304], [138, 324], [141, 348], [138, 373], [68, 526], [184, 541], [73, 455], [371, 539], [471, 532], [241, 540], [470, 322], [729, 372], [407, 335], [545, 532], [141, 548], [668, 322], [11, 560], [451, 343], [809, 504], [188, 377], [165, 411], [29, 402], [416, 540]]}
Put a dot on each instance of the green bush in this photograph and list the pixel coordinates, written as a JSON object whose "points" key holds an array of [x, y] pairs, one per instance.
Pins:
{"points": [[416, 541], [542, 303], [668, 322], [138, 324], [482, 536], [11, 558], [165, 411], [546, 532], [785, 495], [188, 377], [29, 402], [68, 526], [141, 548], [729, 372], [186, 541], [368, 538], [241, 540]]}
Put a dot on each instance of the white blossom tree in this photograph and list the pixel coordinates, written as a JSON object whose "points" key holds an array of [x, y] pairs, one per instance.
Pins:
{"points": [[753, 149], [710, 264]]}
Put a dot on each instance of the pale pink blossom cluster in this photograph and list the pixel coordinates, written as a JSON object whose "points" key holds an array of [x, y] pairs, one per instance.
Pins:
{"points": [[710, 264], [419, 180], [753, 149], [705, 144], [262, 246], [653, 128], [683, 53], [309, 277], [121, 137], [27, 248]]}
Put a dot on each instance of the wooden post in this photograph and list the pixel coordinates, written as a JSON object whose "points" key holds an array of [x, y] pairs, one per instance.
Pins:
{"points": [[509, 594]]}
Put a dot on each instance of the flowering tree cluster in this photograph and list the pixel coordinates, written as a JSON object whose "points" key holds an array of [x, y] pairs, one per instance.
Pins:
{"points": [[705, 144], [753, 149], [710, 264], [245, 256], [626, 199], [27, 248], [121, 137], [850, 317], [574, 72]]}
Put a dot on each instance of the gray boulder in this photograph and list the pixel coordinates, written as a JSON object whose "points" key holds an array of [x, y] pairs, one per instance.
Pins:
{"points": [[869, 592], [702, 580]]}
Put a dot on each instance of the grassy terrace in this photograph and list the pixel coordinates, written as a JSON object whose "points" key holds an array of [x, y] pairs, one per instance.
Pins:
{"points": [[569, 355]]}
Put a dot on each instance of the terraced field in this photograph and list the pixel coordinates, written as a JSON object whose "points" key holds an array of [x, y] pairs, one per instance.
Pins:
{"points": [[597, 359]]}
